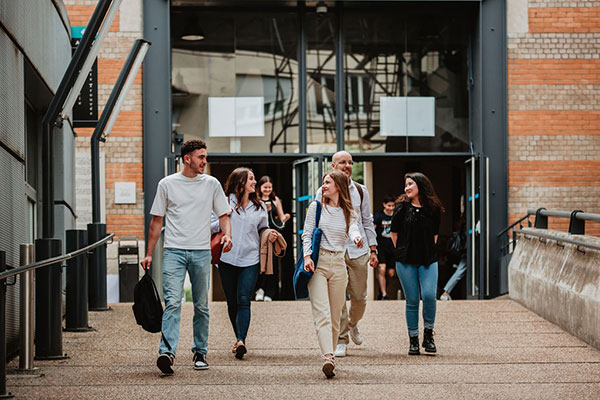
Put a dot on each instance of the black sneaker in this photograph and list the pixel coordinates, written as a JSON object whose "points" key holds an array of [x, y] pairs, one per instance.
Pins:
{"points": [[200, 361], [164, 362], [413, 349], [428, 343], [240, 351]]}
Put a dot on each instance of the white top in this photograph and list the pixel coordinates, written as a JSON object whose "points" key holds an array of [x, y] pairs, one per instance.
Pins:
{"points": [[365, 220], [245, 224], [333, 225], [186, 204]]}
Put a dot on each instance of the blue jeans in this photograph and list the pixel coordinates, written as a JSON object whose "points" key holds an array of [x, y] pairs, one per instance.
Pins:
{"points": [[238, 285], [415, 280], [175, 264], [457, 275]]}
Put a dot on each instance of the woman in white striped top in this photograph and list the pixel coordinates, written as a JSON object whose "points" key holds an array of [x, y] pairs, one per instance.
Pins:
{"points": [[327, 287]]}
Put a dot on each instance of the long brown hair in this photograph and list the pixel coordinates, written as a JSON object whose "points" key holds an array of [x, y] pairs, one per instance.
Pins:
{"points": [[236, 182], [427, 196], [341, 182]]}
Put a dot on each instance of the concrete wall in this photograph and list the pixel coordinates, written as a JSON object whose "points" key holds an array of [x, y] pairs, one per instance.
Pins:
{"points": [[561, 284]]}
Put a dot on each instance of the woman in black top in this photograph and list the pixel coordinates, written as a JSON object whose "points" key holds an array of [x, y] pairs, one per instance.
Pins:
{"points": [[266, 285], [414, 232]]}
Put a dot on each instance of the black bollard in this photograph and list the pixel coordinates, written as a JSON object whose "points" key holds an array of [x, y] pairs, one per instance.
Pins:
{"points": [[3, 394], [97, 269], [48, 302], [77, 283]]}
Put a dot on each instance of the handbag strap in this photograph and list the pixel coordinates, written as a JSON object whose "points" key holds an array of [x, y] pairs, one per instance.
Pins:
{"points": [[318, 215]]}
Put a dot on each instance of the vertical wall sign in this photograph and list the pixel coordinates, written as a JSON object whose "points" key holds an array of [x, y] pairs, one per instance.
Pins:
{"points": [[85, 110]]}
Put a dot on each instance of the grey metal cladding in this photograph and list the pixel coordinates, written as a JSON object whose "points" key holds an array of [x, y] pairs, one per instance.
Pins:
{"points": [[12, 100], [38, 29], [13, 218]]}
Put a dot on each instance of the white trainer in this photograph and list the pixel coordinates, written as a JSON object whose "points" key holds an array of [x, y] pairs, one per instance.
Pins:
{"points": [[340, 350], [355, 335], [267, 299], [260, 295]]}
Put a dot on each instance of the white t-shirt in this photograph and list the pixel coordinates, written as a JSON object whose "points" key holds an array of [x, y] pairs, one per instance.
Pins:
{"points": [[186, 204]]}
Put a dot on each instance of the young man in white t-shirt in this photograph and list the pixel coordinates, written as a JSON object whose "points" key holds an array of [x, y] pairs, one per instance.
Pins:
{"points": [[187, 199]]}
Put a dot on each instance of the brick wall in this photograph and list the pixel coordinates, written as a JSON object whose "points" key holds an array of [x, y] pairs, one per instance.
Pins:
{"points": [[123, 149], [554, 107]]}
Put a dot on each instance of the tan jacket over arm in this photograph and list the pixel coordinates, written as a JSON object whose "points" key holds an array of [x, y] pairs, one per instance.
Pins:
{"points": [[267, 249]]}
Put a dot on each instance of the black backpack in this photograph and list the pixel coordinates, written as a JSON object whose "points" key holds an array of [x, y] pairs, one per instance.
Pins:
{"points": [[147, 307]]}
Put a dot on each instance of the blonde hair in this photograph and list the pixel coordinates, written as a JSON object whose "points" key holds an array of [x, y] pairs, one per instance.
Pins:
{"points": [[340, 180]]}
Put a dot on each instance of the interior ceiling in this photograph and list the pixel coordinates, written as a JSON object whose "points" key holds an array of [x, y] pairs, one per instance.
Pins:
{"points": [[254, 26]]}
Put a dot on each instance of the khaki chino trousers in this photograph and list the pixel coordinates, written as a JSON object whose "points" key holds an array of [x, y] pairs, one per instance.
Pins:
{"points": [[327, 290], [358, 272]]}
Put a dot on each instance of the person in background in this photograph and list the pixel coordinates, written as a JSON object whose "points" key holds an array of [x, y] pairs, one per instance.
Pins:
{"points": [[414, 232], [266, 285], [457, 252], [185, 200], [387, 264], [239, 267], [327, 287]]}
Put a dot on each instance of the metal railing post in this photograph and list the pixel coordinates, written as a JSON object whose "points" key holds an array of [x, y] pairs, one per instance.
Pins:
{"points": [[97, 269], [26, 317], [3, 393], [48, 302], [77, 283]]}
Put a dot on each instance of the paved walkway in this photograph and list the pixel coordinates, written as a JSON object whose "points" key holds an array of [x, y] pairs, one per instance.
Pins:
{"points": [[486, 350]]}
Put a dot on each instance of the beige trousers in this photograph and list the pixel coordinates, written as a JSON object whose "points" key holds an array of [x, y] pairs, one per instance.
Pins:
{"points": [[327, 290], [358, 272]]}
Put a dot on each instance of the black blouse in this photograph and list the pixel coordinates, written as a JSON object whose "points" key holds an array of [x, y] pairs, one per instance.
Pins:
{"points": [[416, 229]]}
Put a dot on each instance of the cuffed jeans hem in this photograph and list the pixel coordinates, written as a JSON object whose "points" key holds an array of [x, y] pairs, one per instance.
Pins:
{"points": [[429, 325], [413, 333]]}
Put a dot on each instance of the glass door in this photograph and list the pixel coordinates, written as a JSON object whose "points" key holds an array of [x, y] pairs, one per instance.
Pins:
{"points": [[307, 177], [477, 227]]}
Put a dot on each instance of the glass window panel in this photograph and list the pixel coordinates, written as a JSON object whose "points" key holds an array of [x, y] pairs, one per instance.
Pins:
{"points": [[244, 56], [320, 76], [406, 50]]}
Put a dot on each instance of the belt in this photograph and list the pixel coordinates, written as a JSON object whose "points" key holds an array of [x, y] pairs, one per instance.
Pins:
{"points": [[330, 251]]}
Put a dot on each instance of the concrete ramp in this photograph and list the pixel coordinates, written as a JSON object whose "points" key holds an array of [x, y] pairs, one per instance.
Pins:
{"points": [[559, 281]]}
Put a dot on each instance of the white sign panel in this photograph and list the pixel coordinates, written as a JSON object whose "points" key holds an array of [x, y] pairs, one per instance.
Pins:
{"points": [[125, 193], [407, 116], [236, 116]]}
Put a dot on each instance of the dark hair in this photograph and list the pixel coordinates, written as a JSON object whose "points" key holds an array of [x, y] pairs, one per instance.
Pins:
{"points": [[262, 181], [192, 145], [341, 182], [388, 198], [427, 196], [235, 184]]}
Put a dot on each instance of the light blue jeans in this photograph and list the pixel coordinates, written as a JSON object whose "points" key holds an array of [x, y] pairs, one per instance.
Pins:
{"points": [[415, 280], [457, 275], [175, 264]]}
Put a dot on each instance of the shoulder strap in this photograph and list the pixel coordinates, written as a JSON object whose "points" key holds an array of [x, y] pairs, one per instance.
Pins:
{"points": [[318, 215], [360, 191]]}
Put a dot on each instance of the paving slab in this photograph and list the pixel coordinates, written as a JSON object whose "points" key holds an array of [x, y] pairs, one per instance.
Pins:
{"points": [[493, 349]]}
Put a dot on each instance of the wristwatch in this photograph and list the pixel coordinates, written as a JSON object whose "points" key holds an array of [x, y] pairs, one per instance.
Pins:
{"points": [[374, 251]]}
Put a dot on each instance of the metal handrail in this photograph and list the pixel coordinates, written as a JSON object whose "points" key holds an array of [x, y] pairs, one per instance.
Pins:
{"points": [[523, 218], [54, 260], [558, 239], [566, 214]]}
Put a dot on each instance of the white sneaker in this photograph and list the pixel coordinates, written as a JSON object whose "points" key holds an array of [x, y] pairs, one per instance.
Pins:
{"points": [[445, 297], [355, 335], [340, 350], [260, 295], [267, 298]]}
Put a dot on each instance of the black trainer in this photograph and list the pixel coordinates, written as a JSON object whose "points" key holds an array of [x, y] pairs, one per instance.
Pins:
{"points": [[428, 343], [240, 351], [200, 361], [164, 362], [413, 350]]}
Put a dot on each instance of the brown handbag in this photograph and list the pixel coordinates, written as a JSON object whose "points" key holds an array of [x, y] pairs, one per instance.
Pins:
{"points": [[216, 247]]}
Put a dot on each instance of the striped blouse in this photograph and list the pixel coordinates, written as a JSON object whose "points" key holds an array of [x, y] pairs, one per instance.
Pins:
{"points": [[333, 225]]}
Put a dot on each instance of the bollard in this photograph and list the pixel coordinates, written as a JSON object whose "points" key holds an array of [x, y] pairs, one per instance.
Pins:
{"points": [[97, 269], [26, 309], [77, 283], [3, 393], [48, 302]]}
